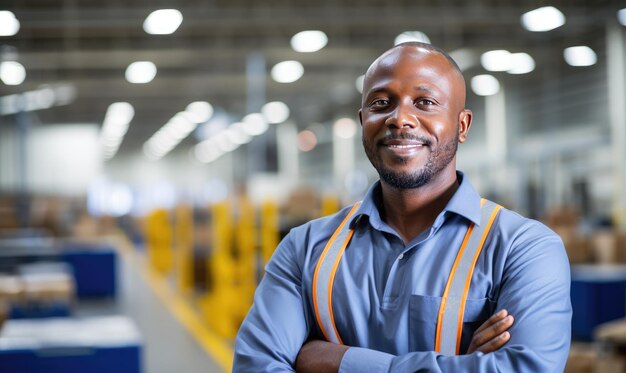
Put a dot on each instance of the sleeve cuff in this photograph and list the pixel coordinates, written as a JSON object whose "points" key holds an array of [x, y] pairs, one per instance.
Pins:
{"points": [[358, 359]]}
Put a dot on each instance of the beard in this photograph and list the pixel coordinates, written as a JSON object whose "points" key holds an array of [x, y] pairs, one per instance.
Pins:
{"points": [[439, 157]]}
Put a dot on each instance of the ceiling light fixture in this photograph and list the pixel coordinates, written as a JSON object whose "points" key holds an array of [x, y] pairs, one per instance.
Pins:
{"points": [[199, 111], [621, 16], [12, 73], [141, 72], [9, 25], [114, 127], [287, 71], [344, 128], [309, 41], [358, 83], [485, 85], [543, 19], [163, 22], [409, 36], [255, 124], [496, 60], [580, 55], [521, 63], [275, 112]]}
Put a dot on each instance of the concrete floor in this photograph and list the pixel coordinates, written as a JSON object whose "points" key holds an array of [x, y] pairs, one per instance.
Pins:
{"points": [[168, 347]]}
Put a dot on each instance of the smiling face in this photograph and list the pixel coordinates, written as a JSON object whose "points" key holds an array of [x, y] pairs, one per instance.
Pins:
{"points": [[413, 116]]}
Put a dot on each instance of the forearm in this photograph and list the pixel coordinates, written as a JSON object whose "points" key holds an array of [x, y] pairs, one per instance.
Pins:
{"points": [[276, 326], [513, 358]]}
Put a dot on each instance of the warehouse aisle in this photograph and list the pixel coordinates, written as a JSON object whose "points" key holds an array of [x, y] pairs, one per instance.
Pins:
{"points": [[168, 346]]}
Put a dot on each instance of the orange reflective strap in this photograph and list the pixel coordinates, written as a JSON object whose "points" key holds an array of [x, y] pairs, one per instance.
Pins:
{"points": [[324, 277], [452, 308]]}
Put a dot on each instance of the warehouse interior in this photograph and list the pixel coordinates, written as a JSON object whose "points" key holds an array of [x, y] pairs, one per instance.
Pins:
{"points": [[154, 153]]}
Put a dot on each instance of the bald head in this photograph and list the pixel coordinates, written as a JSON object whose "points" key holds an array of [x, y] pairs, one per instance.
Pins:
{"points": [[419, 54]]}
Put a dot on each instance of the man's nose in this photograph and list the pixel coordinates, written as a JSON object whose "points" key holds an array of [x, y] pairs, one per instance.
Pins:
{"points": [[402, 116]]}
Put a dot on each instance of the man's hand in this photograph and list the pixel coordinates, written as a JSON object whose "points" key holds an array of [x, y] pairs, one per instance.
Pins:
{"points": [[320, 357], [492, 334]]}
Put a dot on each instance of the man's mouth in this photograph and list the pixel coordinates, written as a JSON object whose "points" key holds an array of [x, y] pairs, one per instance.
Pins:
{"points": [[404, 143]]}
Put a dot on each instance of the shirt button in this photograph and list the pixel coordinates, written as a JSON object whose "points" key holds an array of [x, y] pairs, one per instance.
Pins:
{"points": [[400, 257]]}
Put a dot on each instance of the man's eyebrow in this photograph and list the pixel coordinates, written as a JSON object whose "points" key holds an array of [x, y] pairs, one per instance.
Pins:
{"points": [[376, 90]]}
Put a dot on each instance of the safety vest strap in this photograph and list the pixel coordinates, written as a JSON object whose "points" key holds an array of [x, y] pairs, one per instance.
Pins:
{"points": [[452, 308], [324, 277]]}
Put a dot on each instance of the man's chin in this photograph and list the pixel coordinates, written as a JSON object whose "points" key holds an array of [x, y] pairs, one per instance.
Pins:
{"points": [[404, 180]]}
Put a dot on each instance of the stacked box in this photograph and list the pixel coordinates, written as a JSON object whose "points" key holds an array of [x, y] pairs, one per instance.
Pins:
{"points": [[47, 290]]}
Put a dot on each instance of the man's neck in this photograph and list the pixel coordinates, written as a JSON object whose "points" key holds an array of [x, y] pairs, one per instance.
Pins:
{"points": [[411, 211]]}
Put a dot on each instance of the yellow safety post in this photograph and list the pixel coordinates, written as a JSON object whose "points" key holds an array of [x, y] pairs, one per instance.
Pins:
{"points": [[330, 205], [184, 248], [219, 304], [246, 255], [159, 241], [270, 234]]}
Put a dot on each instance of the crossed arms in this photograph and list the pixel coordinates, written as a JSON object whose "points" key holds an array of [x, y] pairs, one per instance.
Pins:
{"points": [[324, 357], [535, 289]]}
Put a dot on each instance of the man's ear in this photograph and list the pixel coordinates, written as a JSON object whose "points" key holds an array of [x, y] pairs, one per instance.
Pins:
{"points": [[465, 122], [361, 117]]}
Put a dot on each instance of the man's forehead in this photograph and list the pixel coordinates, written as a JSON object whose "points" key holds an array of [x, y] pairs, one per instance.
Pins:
{"points": [[419, 56]]}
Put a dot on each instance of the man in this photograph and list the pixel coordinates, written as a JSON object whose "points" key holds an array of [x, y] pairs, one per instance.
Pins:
{"points": [[385, 300]]}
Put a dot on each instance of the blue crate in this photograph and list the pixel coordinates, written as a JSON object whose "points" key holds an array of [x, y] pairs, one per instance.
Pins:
{"points": [[94, 345], [95, 269], [126, 359], [598, 295], [40, 310]]}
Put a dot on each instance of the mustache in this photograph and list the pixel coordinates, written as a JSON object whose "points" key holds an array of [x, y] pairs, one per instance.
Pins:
{"points": [[405, 136]]}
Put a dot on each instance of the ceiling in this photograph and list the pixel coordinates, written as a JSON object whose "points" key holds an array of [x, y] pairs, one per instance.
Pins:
{"points": [[89, 44]]}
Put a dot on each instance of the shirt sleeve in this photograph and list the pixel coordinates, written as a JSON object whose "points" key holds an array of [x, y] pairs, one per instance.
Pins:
{"points": [[535, 289], [275, 328]]}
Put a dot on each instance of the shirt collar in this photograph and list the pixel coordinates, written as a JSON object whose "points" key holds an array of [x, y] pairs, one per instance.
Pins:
{"points": [[465, 202]]}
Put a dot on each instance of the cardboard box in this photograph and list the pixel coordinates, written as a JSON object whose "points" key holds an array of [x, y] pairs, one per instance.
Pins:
{"points": [[576, 245], [582, 358]]}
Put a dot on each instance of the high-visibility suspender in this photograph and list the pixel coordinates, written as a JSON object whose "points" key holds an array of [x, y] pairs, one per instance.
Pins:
{"points": [[450, 318], [324, 277]]}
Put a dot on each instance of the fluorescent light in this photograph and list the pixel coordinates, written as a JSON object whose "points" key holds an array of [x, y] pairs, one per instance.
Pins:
{"points": [[496, 60], [120, 112], [255, 124], [207, 151], [344, 128], [358, 83], [521, 63], [141, 72], [309, 41], [9, 25], [409, 36], [580, 56], [543, 19], [621, 16], [275, 112], [199, 111], [287, 71], [12, 73], [237, 134], [171, 134], [485, 85], [224, 143], [114, 127], [163, 22]]}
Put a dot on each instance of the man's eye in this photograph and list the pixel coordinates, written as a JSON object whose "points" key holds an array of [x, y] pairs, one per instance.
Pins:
{"points": [[380, 102], [425, 102]]}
